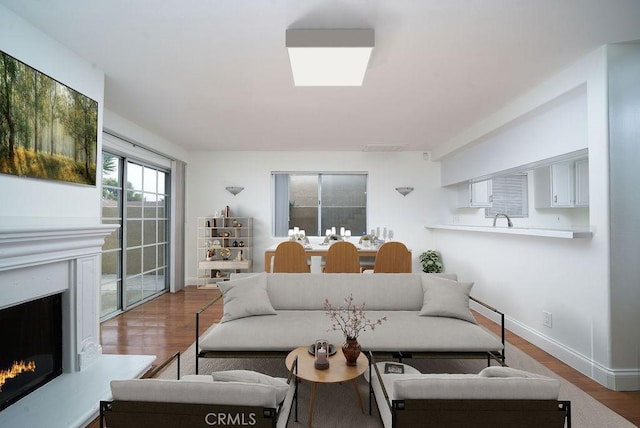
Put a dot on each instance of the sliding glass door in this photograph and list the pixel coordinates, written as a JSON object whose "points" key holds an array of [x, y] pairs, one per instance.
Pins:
{"points": [[134, 266]]}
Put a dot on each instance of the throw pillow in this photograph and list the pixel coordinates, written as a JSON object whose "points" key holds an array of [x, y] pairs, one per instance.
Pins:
{"points": [[248, 376], [500, 371], [245, 297], [446, 298]]}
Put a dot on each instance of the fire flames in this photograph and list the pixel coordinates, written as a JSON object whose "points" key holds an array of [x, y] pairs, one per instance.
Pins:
{"points": [[17, 368]]}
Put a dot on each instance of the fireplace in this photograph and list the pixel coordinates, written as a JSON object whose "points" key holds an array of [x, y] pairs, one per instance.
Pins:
{"points": [[62, 262], [31, 353]]}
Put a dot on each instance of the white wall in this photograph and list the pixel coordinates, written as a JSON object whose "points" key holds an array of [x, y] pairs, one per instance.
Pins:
{"points": [[524, 276], [210, 172], [624, 150], [556, 128], [130, 131], [30, 201]]}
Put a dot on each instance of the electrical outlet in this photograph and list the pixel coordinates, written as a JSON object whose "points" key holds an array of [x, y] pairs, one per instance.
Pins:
{"points": [[547, 320]]}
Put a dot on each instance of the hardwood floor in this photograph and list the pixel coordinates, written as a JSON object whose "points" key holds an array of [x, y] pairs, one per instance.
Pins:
{"points": [[166, 325]]}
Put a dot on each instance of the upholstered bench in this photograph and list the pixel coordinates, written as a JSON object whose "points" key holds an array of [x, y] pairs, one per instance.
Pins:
{"points": [[496, 397], [234, 398]]}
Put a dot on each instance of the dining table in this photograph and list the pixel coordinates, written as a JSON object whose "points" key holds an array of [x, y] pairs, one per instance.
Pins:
{"points": [[316, 251]]}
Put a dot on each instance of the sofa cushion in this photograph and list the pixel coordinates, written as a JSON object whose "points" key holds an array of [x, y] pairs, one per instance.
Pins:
{"points": [[245, 297], [248, 376], [446, 298], [402, 331], [197, 378], [380, 292], [197, 392], [470, 386]]}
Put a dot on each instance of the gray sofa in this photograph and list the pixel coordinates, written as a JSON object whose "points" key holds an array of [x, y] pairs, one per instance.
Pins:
{"points": [[496, 397], [269, 314]]}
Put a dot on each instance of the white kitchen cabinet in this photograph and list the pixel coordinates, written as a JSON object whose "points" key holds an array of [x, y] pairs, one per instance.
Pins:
{"points": [[562, 185], [475, 195], [582, 182]]}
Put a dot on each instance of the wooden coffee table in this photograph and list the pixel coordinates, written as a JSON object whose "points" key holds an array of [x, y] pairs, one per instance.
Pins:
{"points": [[337, 372]]}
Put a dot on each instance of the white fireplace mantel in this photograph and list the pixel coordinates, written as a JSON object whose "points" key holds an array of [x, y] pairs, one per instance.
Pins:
{"points": [[33, 245], [38, 261]]}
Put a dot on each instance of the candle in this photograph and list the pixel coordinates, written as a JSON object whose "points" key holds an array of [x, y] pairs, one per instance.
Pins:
{"points": [[322, 356], [342, 231], [290, 232], [327, 232], [333, 230], [347, 233], [296, 229]]}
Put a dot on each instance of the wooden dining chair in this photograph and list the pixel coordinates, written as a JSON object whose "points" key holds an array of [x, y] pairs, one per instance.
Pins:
{"points": [[290, 257], [392, 257], [342, 257]]}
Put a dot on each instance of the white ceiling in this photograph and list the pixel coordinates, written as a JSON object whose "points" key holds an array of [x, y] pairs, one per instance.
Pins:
{"points": [[214, 74]]}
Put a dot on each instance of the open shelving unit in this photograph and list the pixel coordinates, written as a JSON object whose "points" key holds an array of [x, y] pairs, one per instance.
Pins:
{"points": [[225, 246]]}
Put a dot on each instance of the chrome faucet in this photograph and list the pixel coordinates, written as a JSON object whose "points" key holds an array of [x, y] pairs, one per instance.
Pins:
{"points": [[509, 224]]}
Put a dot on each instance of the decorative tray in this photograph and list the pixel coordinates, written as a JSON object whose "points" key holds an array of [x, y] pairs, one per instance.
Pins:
{"points": [[312, 349]]}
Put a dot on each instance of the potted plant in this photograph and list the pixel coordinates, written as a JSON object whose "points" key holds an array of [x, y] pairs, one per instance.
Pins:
{"points": [[431, 261]]}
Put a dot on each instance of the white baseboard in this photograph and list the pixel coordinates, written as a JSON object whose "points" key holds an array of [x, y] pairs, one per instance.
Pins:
{"points": [[614, 379]]}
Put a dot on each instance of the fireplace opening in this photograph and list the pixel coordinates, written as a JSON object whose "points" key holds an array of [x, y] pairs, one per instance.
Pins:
{"points": [[30, 347]]}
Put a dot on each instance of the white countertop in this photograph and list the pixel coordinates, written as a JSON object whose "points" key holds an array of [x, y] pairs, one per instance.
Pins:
{"points": [[527, 231]]}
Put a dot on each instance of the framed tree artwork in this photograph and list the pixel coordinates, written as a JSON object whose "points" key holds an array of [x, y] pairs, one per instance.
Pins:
{"points": [[47, 129]]}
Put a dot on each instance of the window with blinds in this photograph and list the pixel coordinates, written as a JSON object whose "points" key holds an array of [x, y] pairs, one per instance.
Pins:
{"points": [[509, 196]]}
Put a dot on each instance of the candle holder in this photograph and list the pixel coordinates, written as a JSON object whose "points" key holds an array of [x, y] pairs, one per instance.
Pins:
{"points": [[321, 353]]}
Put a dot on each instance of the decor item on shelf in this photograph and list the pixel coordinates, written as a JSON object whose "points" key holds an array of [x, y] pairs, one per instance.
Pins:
{"points": [[234, 190], [351, 319], [329, 57], [431, 261], [225, 253], [404, 191]]}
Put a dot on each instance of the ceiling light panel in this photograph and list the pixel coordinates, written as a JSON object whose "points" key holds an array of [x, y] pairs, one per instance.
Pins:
{"points": [[329, 57]]}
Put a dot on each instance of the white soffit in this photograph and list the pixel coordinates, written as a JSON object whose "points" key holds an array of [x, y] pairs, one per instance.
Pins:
{"points": [[337, 57]]}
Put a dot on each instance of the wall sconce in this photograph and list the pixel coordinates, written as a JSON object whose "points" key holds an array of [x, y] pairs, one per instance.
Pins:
{"points": [[234, 190], [404, 191]]}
